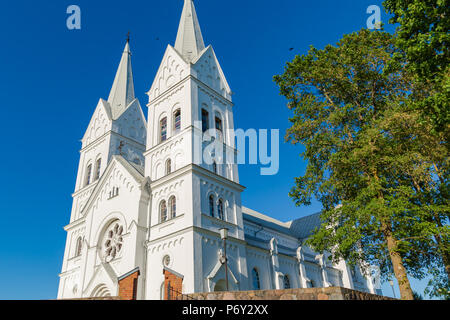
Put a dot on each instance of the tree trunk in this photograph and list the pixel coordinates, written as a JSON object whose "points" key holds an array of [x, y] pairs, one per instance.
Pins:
{"points": [[406, 292]]}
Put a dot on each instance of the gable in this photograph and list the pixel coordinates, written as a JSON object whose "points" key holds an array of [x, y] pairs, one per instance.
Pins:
{"points": [[102, 276], [209, 72], [172, 70], [100, 123], [119, 174], [131, 123]]}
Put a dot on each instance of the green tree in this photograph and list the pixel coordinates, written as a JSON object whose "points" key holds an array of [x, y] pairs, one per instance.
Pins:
{"points": [[422, 169], [363, 145], [424, 36]]}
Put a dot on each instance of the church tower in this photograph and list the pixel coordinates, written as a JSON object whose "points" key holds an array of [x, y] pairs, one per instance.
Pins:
{"points": [[151, 199], [117, 127], [195, 185], [116, 131]]}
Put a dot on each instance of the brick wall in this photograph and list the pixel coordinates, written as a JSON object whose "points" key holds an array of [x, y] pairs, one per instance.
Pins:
{"points": [[128, 285], [95, 298], [334, 293], [174, 281]]}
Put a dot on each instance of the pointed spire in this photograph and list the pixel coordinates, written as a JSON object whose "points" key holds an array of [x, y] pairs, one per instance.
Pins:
{"points": [[189, 41], [122, 92]]}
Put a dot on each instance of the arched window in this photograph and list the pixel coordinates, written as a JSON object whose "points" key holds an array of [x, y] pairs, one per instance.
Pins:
{"points": [[78, 247], [218, 122], [287, 282], [211, 205], [177, 120], [162, 290], [168, 166], [173, 207], [220, 209], [163, 129], [88, 175], [219, 127], [215, 167], [98, 167], [163, 211], [205, 120], [255, 279]]}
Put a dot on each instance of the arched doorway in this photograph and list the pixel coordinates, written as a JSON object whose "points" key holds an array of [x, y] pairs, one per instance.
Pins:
{"points": [[220, 286], [101, 291]]}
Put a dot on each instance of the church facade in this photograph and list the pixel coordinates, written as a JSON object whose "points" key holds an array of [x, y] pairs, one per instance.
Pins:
{"points": [[142, 200]]}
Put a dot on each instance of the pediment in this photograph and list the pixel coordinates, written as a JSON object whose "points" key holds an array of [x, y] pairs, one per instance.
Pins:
{"points": [[119, 175], [209, 71], [103, 275], [172, 70], [218, 274], [100, 123], [219, 270], [131, 123]]}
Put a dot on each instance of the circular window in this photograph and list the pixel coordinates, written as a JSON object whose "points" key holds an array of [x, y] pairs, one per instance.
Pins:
{"points": [[112, 242], [166, 260]]}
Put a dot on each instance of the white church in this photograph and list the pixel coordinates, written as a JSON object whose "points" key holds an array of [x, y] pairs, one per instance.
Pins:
{"points": [[142, 203]]}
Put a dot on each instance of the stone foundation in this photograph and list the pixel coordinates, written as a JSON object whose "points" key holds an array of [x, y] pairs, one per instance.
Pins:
{"points": [[334, 293]]}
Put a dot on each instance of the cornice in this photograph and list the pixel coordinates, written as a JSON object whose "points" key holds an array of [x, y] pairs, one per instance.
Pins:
{"points": [[86, 188], [100, 139], [168, 141], [75, 224], [210, 174], [184, 80]]}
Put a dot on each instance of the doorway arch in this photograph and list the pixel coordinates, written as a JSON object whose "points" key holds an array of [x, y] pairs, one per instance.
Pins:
{"points": [[220, 286]]}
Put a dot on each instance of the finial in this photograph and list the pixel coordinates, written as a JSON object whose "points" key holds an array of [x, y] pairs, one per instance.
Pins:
{"points": [[128, 37]]}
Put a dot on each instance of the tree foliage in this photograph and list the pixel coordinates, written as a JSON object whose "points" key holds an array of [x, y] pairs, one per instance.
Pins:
{"points": [[371, 163], [424, 35]]}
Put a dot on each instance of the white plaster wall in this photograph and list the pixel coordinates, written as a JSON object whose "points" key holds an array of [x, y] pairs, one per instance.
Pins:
{"points": [[180, 248], [128, 209], [260, 260], [289, 266]]}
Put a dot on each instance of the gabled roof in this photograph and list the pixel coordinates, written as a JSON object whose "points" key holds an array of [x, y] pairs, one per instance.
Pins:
{"points": [[189, 41], [219, 68], [137, 167], [122, 91], [133, 169], [104, 105], [259, 218], [302, 228]]}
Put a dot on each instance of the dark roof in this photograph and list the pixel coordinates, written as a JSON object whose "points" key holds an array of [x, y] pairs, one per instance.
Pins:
{"points": [[302, 228]]}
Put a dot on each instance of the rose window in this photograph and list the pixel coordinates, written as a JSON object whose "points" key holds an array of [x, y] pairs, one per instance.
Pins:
{"points": [[113, 242]]}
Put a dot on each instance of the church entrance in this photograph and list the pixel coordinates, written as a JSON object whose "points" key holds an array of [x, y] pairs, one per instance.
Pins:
{"points": [[220, 286]]}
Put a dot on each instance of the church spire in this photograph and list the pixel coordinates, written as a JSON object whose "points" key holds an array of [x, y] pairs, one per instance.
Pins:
{"points": [[122, 92], [189, 41]]}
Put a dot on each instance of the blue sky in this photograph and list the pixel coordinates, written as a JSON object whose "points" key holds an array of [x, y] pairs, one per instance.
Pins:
{"points": [[51, 79]]}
